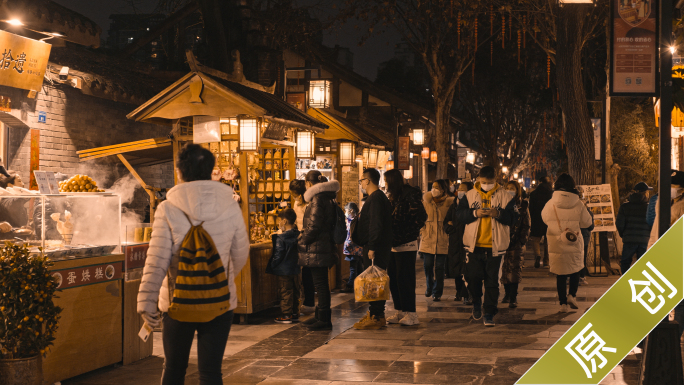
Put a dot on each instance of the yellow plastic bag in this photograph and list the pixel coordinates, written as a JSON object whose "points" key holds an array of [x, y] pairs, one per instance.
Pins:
{"points": [[372, 285]]}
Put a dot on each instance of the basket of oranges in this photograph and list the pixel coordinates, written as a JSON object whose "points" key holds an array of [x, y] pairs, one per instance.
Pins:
{"points": [[79, 184]]}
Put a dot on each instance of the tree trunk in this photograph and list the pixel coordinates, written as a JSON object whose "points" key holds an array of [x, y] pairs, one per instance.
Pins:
{"points": [[577, 128], [442, 129], [216, 36]]}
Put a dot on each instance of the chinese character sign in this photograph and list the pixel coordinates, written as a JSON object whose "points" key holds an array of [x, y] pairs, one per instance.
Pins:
{"points": [[618, 321], [22, 61]]}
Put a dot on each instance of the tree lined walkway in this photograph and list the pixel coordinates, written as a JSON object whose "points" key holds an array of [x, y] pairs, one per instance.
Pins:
{"points": [[448, 347]]}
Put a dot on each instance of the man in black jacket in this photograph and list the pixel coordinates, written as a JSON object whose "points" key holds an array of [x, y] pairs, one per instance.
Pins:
{"points": [[538, 199], [374, 232], [632, 226]]}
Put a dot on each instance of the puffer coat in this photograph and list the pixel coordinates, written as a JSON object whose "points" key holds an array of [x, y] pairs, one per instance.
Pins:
{"points": [[538, 199], [563, 258], [316, 247], [433, 238]]}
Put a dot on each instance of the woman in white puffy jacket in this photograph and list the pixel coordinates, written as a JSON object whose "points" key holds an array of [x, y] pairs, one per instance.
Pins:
{"points": [[565, 215], [200, 200]]}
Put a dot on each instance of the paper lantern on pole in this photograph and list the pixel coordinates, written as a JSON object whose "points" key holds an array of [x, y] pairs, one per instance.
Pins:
{"points": [[347, 153], [418, 136], [319, 93], [433, 156], [425, 154], [373, 157], [389, 165], [305, 145], [249, 134], [408, 174]]}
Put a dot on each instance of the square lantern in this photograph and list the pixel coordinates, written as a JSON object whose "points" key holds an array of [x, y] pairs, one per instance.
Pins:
{"points": [[347, 154], [305, 145], [373, 157], [425, 154], [418, 136], [408, 174], [366, 156], [470, 157], [249, 134], [319, 93], [433, 156]]}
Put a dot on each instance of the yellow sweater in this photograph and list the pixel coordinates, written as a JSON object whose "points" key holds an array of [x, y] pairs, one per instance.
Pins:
{"points": [[484, 230]]}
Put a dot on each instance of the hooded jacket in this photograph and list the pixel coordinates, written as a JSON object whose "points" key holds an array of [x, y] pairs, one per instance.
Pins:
{"points": [[538, 199], [572, 214], [500, 227], [316, 247], [408, 216], [374, 225], [285, 255], [631, 220], [206, 202], [433, 238]]}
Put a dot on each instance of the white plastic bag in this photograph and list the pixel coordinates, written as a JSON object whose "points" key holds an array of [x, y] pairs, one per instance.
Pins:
{"points": [[372, 285]]}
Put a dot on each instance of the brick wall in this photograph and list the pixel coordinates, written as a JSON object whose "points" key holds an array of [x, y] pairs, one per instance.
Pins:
{"points": [[77, 122]]}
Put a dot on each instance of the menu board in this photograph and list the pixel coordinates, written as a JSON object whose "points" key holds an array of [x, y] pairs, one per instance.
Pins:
{"points": [[600, 201], [350, 185]]}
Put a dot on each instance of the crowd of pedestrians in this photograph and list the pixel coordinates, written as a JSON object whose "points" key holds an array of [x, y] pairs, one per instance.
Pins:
{"points": [[475, 234]]}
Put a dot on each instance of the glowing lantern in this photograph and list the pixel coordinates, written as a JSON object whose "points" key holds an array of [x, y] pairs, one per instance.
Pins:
{"points": [[389, 165], [305, 145], [408, 174], [504, 170], [425, 154], [347, 153], [515, 175], [319, 93], [373, 157], [249, 134], [433, 156], [470, 158], [366, 156], [418, 136]]}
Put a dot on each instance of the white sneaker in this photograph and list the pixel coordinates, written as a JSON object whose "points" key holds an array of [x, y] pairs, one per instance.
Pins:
{"points": [[410, 319], [564, 309], [572, 302], [396, 318]]}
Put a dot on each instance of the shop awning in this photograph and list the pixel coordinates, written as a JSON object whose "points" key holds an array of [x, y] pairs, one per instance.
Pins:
{"points": [[340, 128], [141, 153], [12, 120]]}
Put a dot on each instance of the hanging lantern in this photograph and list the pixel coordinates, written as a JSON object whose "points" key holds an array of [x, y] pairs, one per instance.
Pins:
{"points": [[249, 134], [470, 157], [305, 145], [515, 175], [366, 156], [425, 154], [433, 156], [418, 136], [347, 153], [408, 174], [504, 170], [389, 165], [373, 157], [319, 93]]}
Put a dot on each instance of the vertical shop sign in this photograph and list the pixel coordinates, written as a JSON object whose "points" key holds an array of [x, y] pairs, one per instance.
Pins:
{"points": [[35, 157], [22, 61], [596, 126], [634, 48], [403, 156], [461, 166]]}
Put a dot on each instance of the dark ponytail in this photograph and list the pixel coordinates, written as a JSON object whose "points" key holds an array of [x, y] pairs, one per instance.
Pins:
{"points": [[314, 177]]}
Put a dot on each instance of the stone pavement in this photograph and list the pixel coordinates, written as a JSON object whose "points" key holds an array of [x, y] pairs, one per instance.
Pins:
{"points": [[448, 347]]}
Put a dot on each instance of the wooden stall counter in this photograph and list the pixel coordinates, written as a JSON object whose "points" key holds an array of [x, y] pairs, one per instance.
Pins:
{"points": [[89, 335]]}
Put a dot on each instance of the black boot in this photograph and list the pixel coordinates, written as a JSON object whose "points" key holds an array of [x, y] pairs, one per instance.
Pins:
{"points": [[507, 294], [323, 322], [513, 303], [537, 261], [313, 319]]}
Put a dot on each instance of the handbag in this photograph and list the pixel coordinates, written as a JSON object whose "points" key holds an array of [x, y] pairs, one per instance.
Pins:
{"points": [[566, 237]]}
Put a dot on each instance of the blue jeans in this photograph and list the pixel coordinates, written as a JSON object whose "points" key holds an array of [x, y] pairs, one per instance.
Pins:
{"points": [[628, 251], [435, 268], [212, 337], [355, 268]]}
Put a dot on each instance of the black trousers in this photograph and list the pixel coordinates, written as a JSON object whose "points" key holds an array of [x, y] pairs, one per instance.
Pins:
{"points": [[382, 260], [561, 285], [402, 273], [308, 287], [320, 281], [483, 267], [212, 337]]}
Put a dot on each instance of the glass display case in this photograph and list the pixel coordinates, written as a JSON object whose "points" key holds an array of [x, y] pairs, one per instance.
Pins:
{"points": [[65, 226]]}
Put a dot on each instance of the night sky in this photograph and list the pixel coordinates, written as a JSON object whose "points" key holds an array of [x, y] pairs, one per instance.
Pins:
{"points": [[366, 58]]}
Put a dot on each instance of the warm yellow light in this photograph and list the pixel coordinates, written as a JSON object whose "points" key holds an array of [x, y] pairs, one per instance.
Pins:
{"points": [[470, 157], [458, 181], [515, 175], [408, 174], [319, 93], [418, 136], [504, 170], [305, 145], [389, 165], [366, 156], [433, 156], [16, 22], [534, 182], [411, 155], [425, 154], [347, 154], [673, 50], [373, 157], [249, 134]]}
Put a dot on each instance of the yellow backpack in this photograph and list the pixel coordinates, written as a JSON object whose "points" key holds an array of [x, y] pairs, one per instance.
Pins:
{"points": [[200, 291]]}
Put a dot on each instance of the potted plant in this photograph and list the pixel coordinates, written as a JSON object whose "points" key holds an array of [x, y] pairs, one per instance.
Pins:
{"points": [[28, 317]]}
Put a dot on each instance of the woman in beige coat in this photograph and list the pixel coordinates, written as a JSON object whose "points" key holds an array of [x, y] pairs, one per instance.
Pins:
{"points": [[434, 242]]}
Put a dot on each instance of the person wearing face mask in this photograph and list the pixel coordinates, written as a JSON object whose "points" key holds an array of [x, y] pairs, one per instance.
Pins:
{"points": [[352, 252], [456, 255], [283, 264], [632, 226], [488, 212], [434, 242], [511, 270], [297, 189]]}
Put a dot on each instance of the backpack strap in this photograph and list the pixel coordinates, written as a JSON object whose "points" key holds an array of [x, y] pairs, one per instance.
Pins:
{"points": [[186, 216]]}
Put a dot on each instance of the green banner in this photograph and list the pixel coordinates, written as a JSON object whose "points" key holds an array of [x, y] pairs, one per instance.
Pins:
{"points": [[619, 320]]}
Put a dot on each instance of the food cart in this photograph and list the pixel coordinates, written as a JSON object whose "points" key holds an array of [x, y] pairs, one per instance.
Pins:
{"points": [[253, 134]]}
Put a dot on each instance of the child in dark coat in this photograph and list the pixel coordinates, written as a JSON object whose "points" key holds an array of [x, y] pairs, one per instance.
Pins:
{"points": [[283, 263]]}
